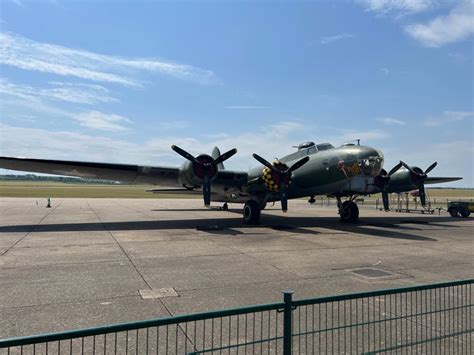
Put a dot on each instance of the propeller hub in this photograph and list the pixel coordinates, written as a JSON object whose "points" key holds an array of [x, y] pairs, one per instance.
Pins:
{"points": [[204, 166], [273, 177]]}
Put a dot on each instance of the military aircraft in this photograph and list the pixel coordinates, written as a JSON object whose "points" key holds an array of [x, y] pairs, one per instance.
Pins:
{"points": [[345, 172]]}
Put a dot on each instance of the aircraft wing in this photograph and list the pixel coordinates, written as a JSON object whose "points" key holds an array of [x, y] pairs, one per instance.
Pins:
{"points": [[105, 171], [439, 180], [175, 191]]}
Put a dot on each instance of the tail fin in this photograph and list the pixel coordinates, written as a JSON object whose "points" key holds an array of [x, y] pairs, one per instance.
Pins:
{"points": [[215, 154]]}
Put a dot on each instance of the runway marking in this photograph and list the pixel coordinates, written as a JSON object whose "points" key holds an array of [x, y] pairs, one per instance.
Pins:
{"points": [[158, 293]]}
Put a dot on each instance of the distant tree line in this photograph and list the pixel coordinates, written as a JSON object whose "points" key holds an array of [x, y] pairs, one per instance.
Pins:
{"points": [[62, 179]]}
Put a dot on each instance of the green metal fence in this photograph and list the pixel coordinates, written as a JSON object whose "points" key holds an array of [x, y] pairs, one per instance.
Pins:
{"points": [[433, 318]]}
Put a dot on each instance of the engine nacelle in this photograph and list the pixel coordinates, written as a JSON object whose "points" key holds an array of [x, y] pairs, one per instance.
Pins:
{"points": [[192, 174], [402, 181]]}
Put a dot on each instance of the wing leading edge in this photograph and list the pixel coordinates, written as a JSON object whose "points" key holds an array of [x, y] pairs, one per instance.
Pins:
{"points": [[439, 180], [106, 171]]}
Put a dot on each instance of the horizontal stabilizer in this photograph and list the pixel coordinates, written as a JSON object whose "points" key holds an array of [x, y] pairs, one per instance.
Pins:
{"points": [[439, 180]]}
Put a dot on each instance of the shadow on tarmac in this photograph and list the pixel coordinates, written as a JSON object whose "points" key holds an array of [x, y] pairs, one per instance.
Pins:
{"points": [[383, 227]]}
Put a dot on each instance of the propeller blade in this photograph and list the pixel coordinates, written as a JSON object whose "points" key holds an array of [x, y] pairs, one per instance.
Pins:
{"points": [[421, 189], [395, 169], [431, 167], [263, 161], [206, 191], [184, 154], [298, 164], [283, 196], [385, 199], [225, 156], [408, 167]]}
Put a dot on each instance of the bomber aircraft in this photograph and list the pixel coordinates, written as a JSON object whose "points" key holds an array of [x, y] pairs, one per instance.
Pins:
{"points": [[345, 173]]}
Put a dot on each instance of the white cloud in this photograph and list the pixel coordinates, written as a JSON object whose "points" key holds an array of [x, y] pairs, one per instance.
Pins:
{"points": [[391, 121], [69, 92], [41, 143], [398, 7], [102, 121], [457, 26], [78, 93], [448, 117], [335, 38], [90, 119], [24, 53]]}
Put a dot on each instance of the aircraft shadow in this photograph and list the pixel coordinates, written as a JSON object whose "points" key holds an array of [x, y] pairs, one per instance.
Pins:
{"points": [[389, 228]]}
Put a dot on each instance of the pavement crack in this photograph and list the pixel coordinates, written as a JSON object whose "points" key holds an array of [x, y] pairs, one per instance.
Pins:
{"points": [[32, 229], [184, 331], [120, 246]]}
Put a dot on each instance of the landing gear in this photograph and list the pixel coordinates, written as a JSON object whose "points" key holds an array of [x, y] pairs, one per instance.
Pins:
{"points": [[225, 207], [349, 212], [252, 212]]}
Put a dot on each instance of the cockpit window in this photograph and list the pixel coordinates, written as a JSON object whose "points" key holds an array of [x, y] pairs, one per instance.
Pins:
{"points": [[371, 165], [325, 146]]}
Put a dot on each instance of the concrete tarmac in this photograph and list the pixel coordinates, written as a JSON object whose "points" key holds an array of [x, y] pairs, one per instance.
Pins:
{"points": [[90, 262]]}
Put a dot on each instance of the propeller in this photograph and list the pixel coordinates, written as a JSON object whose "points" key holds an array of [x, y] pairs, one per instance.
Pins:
{"points": [[282, 176], [383, 181], [205, 168], [419, 176]]}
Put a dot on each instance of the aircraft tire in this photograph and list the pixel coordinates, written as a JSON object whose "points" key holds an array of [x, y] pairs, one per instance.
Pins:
{"points": [[225, 207], [349, 212], [251, 213], [355, 211], [453, 211]]}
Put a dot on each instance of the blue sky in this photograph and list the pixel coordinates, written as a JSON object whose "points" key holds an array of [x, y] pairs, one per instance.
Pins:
{"points": [[122, 81]]}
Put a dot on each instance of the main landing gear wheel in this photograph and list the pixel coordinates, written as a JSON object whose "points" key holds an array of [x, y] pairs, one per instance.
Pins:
{"points": [[225, 207], [349, 212], [252, 213]]}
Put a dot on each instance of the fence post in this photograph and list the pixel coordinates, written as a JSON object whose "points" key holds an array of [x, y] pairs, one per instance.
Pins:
{"points": [[287, 322]]}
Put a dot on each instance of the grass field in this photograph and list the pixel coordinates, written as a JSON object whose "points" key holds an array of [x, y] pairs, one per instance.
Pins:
{"points": [[44, 189]]}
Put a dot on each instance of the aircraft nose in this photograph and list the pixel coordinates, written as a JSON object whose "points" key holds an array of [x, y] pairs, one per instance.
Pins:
{"points": [[371, 161]]}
